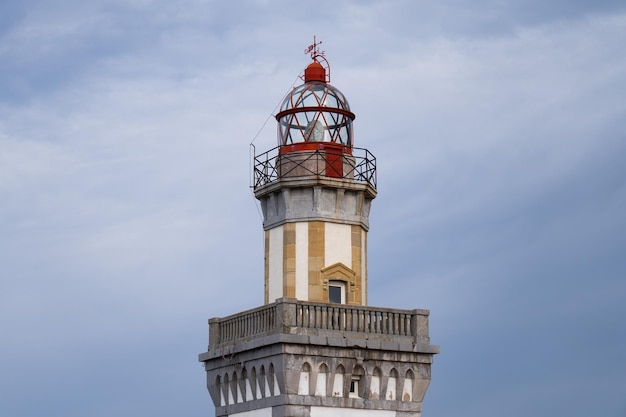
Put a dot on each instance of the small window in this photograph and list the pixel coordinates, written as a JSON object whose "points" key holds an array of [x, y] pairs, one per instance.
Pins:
{"points": [[336, 292], [354, 388]]}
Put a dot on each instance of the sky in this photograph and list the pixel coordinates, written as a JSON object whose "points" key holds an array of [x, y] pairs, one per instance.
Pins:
{"points": [[127, 219]]}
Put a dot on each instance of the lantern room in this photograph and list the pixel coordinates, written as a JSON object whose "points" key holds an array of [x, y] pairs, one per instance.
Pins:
{"points": [[315, 135], [315, 115]]}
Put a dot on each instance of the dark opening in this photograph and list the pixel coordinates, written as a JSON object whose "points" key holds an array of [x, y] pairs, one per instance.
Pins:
{"points": [[334, 294]]}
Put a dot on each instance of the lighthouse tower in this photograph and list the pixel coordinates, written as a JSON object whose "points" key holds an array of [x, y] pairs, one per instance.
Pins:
{"points": [[315, 349], [316, 190]]}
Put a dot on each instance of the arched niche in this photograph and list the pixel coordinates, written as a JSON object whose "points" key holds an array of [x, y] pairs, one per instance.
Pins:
{"points": [[220, 390], [392, 386], [375, 384], [407, 387], [246, 388], [228, 392], [265, 386], [338, 381], [254, 384], [305, 379], [273, 381], [238, 396], [322, 380]]}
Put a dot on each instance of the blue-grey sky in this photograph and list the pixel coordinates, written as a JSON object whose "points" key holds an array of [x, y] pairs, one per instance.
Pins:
{"points": [[126, 218]]}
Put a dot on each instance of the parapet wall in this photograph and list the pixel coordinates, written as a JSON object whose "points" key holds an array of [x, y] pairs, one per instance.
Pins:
{"points": [[321, 323]]}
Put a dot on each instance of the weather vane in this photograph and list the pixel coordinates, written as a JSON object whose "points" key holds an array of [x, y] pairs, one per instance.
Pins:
{"points": [[314, 49]]}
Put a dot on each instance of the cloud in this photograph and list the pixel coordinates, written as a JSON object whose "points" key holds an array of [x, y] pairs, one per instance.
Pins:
{"points": [[126, 219]]}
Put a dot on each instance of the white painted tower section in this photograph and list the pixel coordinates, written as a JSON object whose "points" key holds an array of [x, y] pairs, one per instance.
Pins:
{"points": [[338, 244], [302, 261]]}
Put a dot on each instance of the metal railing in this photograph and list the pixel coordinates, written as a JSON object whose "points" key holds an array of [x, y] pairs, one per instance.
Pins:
{"points": [[271, 166]]}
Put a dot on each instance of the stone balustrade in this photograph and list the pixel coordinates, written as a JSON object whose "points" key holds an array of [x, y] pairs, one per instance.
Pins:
{"points": [[295, 317]]}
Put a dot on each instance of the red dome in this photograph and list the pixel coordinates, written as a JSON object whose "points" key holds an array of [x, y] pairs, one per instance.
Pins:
{"points": [[315, 72]]}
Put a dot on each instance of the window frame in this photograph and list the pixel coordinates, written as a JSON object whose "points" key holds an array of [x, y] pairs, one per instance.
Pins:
{"points": [[334, 283]]}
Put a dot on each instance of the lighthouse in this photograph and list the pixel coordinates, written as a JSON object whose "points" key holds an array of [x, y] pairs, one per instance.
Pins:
{"points": [[316, 191], [315, 348]]}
